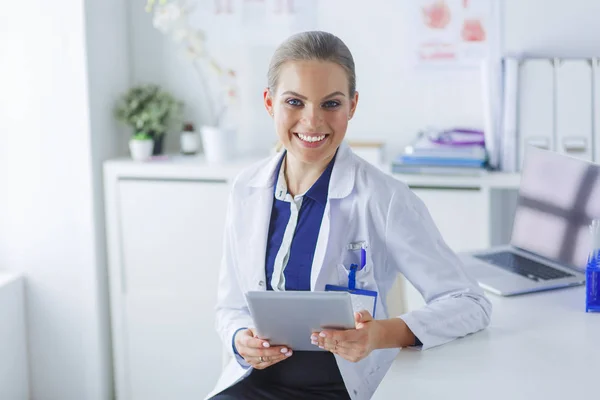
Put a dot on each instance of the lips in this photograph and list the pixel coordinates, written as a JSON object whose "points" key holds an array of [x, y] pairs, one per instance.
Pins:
{"points": [[311, 137]]}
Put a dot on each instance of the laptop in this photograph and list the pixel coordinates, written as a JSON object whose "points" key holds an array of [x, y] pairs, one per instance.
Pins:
{"points": [[558, 197]]}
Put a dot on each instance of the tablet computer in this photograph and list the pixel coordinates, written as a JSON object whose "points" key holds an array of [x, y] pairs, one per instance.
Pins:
{"points": [[289, 318]]}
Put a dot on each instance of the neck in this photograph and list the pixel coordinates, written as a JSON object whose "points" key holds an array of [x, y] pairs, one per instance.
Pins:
{"points": [[300, 176]]}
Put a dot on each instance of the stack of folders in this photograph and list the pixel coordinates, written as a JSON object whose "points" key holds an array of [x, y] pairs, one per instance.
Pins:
{"points": [[452, 152], [552, 103]]}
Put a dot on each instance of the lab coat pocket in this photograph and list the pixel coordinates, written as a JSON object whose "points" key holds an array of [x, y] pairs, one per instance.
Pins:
{"points": [[364, 278]]}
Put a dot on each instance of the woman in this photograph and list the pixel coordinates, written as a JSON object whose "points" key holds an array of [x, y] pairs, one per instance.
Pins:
{"points": [[289, 224]]}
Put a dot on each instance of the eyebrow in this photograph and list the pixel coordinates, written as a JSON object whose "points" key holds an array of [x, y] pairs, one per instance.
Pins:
{"points": [[338, 93]]}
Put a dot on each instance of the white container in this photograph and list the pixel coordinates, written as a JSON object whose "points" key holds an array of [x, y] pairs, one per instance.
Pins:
{"points": [[189, 142], [217, 143], [141, 150]]}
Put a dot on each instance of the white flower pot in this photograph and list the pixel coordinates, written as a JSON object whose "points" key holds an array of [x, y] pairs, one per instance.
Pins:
{"points": [[141, 150], [218, 144], [189, 142]]}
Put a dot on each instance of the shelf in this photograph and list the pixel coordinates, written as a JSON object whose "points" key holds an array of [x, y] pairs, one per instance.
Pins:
{"points": [[196, 168]]}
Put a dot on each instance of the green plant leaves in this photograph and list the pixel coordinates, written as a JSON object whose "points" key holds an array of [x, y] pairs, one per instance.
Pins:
{"points": [[142, 136], [147, 108]]}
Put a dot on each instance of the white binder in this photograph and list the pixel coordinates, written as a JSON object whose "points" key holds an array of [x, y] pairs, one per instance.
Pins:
{"points": [[536, 105], [510, 147], [596, 137], [491, 86], [574, 108]]}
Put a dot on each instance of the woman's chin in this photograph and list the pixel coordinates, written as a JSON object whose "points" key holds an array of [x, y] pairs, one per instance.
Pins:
{"points": [[313, 155]]}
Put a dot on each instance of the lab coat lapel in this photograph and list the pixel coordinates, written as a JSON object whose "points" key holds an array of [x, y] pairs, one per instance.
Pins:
{"points": [[320, 250], [341, 185], [259, 210], [257, 217]]}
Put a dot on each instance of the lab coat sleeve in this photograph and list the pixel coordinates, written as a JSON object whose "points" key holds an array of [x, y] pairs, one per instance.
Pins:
{"points": [[232, 312], [455, 305]]}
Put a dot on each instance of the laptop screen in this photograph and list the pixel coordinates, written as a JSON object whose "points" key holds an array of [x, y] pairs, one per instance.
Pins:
{"points": [[558, 197]]}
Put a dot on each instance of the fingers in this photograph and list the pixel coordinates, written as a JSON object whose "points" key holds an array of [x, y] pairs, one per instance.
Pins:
{"points": [[362, 317], [350, 335], [351, 351], [256, 352], [330, 343], [252, 342], [351, 344], [335, 345], [263, 361]]}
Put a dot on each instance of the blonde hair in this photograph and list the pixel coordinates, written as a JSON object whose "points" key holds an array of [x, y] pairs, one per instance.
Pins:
{"points": [[312, 45]]}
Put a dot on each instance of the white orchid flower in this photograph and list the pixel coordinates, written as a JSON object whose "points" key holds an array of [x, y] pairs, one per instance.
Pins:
{"points": [[172, 18], [167, 16]]}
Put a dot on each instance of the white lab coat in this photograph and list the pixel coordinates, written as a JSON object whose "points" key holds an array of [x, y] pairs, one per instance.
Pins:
{"points": [[364, 204]]}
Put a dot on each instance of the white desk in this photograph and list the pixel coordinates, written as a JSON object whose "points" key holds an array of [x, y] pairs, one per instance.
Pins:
{"points": [[538, 346]]}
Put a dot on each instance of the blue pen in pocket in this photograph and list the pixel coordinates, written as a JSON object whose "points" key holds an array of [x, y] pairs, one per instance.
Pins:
{"points": [[352, 277], [362, 299], [354, 268]]}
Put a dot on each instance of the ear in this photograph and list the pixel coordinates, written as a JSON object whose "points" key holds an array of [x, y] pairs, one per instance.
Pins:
{"points": [[268, 100], [353, 104]]}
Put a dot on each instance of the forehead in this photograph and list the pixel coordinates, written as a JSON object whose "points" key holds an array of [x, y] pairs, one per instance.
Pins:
{"points": [[312, 77]]}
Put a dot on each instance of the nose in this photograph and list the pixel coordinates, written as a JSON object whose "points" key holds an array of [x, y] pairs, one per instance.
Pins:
{"points": [[312, 116]]}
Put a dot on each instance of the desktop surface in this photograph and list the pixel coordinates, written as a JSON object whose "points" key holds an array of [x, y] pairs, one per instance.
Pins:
{"points": [[538, 346]]}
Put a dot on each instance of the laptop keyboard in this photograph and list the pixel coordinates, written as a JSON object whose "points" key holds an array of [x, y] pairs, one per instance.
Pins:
{"points": [[520, 265]]}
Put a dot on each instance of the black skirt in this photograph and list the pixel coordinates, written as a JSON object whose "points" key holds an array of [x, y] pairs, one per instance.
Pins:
{"points": [[305, 375]]}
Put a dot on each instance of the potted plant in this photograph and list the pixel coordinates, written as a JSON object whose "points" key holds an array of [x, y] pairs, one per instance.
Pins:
{"points": [[141, 146], [150, 111]]}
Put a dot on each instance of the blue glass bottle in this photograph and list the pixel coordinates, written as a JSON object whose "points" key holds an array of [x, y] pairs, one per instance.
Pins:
{"points": [[592, 271], [592, 283]]}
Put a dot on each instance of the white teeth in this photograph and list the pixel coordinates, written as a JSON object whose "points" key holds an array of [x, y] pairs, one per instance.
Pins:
{"points": [[311, 138]]}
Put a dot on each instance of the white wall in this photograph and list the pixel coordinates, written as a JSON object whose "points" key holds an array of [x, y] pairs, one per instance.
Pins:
{"points": [[108, 76], [56, 128], [551, 27], [396, 100]]}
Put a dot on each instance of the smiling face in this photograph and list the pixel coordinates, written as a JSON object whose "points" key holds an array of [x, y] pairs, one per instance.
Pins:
{"points": [[311, 107]]}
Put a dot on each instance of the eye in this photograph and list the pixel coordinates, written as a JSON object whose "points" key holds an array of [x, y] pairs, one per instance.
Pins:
{"points": [[294, 102], [331, 104]]}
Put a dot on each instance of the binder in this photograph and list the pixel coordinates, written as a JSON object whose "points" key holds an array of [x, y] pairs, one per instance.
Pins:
{"points": [[574, 108], [491, 86], [509, 139], [536, 105], [596, 136]]}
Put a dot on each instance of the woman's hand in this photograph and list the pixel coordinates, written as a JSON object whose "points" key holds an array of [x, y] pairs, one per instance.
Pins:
{"points": [[368, 335], [352, 344], [257, 352]]}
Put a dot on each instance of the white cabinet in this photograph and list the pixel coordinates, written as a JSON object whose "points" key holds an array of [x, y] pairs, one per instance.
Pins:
{"points": [[165, 259], [461, 215]]}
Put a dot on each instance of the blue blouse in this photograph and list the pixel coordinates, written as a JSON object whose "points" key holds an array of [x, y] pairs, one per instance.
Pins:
{"points": [[293, 232]]}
